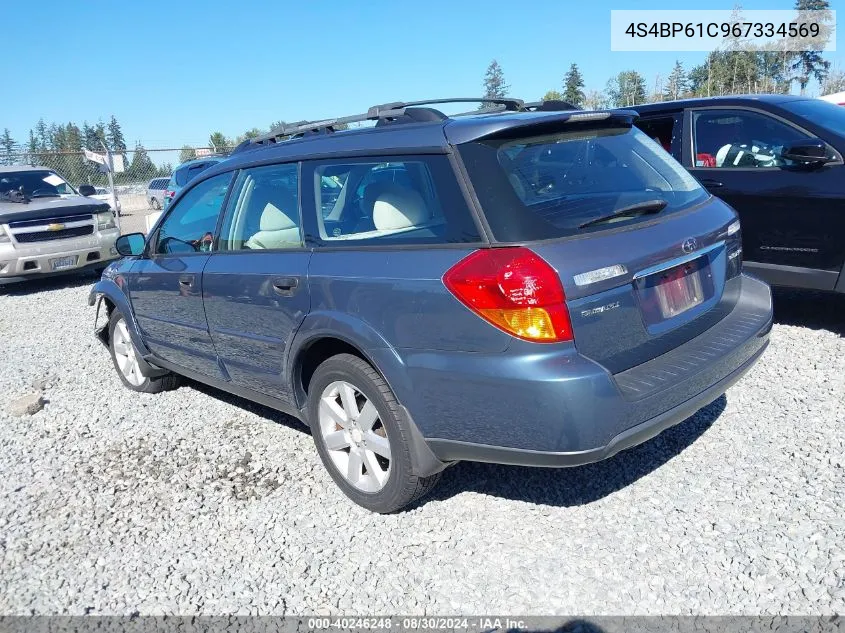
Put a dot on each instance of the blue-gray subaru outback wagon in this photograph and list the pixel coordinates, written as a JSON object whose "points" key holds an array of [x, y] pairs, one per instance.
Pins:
{"points": [[524, 285]]}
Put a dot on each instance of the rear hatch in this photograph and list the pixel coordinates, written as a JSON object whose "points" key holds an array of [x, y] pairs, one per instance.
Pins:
{"points": [[647, 259]]}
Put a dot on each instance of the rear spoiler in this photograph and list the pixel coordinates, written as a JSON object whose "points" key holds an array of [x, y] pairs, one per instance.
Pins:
{"points": [[504, 125]]}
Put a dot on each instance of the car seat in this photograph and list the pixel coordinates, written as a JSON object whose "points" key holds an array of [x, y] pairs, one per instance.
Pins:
{"points": [[398, 208], [276, 230]]}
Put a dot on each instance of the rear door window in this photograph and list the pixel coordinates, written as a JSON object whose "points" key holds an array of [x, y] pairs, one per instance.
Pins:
{"points": [[571, 182], [265, 212], [396, 200]]}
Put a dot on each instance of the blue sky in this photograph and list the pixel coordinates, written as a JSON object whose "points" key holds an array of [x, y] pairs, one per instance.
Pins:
{"points": [[172, 72]]}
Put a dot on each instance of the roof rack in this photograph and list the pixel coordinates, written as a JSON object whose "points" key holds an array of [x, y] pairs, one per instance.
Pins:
{"points": [[552, 105], [383, 113]]}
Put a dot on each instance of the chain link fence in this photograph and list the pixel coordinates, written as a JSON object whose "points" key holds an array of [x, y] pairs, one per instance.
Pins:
{"points": [[140, 167]]}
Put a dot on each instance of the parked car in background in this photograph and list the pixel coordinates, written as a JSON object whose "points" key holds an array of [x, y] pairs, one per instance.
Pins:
{"points": [[837, 98], [47, 228], [534, 288], [186, 172], [777, 160], [104, 194], [156, 189]]}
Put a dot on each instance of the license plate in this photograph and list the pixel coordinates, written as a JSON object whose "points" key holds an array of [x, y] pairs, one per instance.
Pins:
{"points": [[63, 262], [679, 290]]}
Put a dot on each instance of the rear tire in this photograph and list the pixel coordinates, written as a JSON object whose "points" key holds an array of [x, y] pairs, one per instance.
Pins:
{"points": [[126, 360], [155, 204], [361, 438]]}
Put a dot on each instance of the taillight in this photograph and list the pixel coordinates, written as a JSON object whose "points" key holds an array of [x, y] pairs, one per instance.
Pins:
{"points": [[514, 289], [169, 194]]}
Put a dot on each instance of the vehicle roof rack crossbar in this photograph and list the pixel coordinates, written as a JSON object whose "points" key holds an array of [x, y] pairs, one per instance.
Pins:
{"points": [[392, 112]]}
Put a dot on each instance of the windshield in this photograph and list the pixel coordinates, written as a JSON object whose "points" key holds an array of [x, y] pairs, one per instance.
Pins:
{"points": [[823, 113], [555, 185], [40, 183]]}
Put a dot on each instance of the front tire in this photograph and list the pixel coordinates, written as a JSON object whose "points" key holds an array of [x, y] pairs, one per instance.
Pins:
{"points": [[127, 360], [361, 438]]}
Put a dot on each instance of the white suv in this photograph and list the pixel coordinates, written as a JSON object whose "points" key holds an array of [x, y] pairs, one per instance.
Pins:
{"points": [[47, 228]]}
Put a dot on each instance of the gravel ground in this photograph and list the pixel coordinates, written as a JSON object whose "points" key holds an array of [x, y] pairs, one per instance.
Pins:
{"points": [[196, 502]]}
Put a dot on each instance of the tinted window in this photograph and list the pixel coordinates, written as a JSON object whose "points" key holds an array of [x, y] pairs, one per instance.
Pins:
{"points": [[741, 138], [265, 211], [398, 200], [549, 186], [189, 227], [186, 174]]}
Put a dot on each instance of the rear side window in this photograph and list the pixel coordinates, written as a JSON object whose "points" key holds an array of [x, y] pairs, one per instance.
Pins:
{"points": [[396, 200], [571, 182], [265, 214]]}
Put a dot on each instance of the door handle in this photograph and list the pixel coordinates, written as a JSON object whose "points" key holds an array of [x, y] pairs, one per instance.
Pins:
{"points": [[186, 281], [709, 182], [285, 286]]}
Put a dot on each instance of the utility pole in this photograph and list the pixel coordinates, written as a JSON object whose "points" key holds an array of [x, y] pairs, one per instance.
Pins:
{"points": [[110, 165]]}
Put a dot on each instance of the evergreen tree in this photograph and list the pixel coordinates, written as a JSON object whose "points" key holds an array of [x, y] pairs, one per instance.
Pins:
{"points": [[809, 63], [114, 136], [676, 83], [626, 89], [142, 166], [494, 83], [187, 153], [573, 86], [41, 134], [8, 147], [218, 141]]}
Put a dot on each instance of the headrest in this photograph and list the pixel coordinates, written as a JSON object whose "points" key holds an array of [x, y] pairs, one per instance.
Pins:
{"points": [[398, 207], [274, 219]]}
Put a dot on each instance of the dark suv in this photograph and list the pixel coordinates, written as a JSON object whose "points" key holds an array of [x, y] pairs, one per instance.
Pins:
{"points": [[777, 160], [537, 288]]}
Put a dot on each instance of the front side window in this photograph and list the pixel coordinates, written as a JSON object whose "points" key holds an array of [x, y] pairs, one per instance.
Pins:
{"points": [[265, 212], [190, 225], [570, 182], [391, 200], [728, 139]]}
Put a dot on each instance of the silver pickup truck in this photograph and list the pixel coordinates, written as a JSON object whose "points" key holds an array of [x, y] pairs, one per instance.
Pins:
{"points": [[47, 228]]}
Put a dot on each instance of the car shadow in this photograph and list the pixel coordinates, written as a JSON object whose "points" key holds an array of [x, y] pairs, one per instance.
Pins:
{"points": [[806, 308], [565, 487], [46, 284], [263, 411]]}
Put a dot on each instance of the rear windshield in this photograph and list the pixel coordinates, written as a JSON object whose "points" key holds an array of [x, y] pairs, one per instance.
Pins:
{"points": [[186, 174], [546, 187]]}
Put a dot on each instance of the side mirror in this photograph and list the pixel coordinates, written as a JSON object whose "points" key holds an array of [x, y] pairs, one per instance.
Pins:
{"points": [[130, 244], [87, 190], [807, 153]]}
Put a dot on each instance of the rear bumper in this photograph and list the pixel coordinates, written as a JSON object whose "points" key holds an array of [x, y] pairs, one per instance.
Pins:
{"points": [[447, 451], [557, 408]]}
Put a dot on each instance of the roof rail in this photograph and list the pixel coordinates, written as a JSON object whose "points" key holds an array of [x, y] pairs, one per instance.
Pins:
{"points": [[385, 111]]}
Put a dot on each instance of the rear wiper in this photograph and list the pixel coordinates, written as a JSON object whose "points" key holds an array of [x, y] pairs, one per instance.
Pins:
{"points": [[632, 210]]}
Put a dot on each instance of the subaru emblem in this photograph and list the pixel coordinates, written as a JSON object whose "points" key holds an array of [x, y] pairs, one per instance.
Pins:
{"points": [[689, 245]]}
